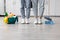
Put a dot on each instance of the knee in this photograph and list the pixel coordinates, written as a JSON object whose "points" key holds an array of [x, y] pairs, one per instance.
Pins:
{"points": [[28, 7], [42, 7], [22, 7]]}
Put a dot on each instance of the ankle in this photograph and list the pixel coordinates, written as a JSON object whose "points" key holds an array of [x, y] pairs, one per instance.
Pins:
{"points": [[27, 20]]}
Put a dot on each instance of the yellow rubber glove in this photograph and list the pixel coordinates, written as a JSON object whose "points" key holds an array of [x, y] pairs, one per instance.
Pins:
{"points": [[6, 20]]}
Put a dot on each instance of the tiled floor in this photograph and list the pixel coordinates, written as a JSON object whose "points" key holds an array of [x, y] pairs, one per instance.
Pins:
{"points": [[30, 31]]}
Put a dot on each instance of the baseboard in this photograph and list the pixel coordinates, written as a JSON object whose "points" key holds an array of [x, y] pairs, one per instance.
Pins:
{"points": [[1, 15], [52, 15], [45, 15], [33, 16]]}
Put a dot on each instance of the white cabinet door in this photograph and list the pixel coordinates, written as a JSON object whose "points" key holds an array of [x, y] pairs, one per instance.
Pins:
{"points": [[52, 7], [1, 7], [13, 6], [49, 7], [57, 7]]}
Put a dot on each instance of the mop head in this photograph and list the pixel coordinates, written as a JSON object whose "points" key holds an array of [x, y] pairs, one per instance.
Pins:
{"points": [[10, 19], [48, 20]]}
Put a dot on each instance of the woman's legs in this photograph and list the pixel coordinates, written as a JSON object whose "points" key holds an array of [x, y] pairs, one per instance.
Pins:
{"points": [[41, 9], [35, 10]]}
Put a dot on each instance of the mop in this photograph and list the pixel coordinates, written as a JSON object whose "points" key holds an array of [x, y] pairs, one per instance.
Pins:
{"points": [[48, 19]]}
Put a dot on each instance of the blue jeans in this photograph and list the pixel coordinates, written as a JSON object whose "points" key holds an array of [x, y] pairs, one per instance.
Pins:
{"points": [[27, 4], [35, 7]]}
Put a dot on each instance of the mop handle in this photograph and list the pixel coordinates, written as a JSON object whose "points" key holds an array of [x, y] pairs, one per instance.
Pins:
{"points": [[43, 9]]}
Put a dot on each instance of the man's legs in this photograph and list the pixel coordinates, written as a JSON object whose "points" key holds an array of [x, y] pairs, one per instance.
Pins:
{"points": [[35, 10], [22, 8], [28, 3], [27, 8], [41, 9], [22, 11]]}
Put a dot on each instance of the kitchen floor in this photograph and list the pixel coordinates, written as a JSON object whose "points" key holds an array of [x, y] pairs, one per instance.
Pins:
{"points": [[30, 31]]}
